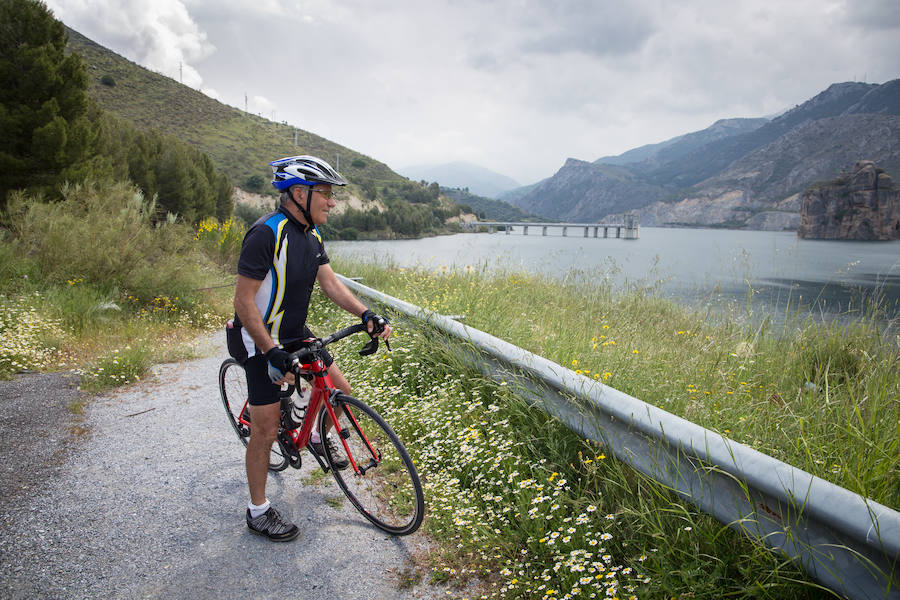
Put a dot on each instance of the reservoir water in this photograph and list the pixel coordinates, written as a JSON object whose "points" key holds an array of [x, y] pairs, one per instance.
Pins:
{"points": [[765, 271]]}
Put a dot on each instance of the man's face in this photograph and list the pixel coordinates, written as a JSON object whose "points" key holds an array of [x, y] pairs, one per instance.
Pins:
{"points": [[321, 202]]}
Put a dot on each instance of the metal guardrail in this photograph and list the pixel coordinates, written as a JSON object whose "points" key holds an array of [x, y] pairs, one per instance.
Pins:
{"points": [[845, 541]]}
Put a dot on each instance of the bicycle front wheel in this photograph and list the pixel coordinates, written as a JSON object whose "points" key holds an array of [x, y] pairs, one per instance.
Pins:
{"points": [[233, 389], [381, 481]]}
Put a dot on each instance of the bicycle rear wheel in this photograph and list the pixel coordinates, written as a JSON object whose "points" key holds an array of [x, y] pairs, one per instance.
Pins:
{"points": [[381, 481], [233, 389]]}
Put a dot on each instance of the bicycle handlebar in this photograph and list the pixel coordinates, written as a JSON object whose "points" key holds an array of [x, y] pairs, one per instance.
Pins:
{"points": [[339, 335], [309, 353]]}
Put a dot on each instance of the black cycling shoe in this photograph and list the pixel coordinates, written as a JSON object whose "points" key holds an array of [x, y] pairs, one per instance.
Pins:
{"points": [[339, 463], [272, 525]]}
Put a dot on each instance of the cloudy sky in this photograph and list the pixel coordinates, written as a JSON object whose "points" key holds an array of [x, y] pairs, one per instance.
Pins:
{"points": [[514, 85]]}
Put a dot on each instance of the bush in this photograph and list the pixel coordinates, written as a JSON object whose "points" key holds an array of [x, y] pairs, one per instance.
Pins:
{"points": [[255, 183], [221, 241], [108, 80], [351, 233], [248, 213], [106, 236]]}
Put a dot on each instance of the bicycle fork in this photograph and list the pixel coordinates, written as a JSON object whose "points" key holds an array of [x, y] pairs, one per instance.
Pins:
{"points": [[344, 435]]}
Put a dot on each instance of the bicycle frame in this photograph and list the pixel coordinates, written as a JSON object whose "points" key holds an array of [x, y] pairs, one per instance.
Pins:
{"points": [[323, 390]]}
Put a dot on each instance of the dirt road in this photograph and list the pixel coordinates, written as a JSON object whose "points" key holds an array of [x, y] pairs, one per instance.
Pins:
{"points": [[149, 501]]}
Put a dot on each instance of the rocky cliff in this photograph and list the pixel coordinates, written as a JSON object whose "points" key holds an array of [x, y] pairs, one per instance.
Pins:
{"points": [[861, 205]]}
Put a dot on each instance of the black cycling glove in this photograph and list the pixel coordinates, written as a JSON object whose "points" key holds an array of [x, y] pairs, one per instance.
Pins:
{"points": [[279, 363], [378, 322]]}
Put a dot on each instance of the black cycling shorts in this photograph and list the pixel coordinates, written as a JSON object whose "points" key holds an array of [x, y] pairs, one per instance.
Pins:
{"points": [[260, 389]]}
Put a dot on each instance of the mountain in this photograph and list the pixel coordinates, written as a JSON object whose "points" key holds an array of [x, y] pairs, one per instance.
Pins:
{"points": [[487, 208], [684, 144], [737, 172], [479, 180]]}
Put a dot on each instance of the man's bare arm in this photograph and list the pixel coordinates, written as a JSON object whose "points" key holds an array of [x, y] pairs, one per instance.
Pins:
{"points": [[342, 296]]}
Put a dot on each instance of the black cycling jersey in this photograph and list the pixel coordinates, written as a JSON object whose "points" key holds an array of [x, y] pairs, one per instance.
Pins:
{"points": [[285, 255]]}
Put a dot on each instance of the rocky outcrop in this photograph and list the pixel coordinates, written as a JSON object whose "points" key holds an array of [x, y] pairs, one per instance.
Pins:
{"points": [[861, 205]]}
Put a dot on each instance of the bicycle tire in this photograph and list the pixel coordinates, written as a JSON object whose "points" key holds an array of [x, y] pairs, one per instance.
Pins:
{"points": [[233, 390], [388, 493]]}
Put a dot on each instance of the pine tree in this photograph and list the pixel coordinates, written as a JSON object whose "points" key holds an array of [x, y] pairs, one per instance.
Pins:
{"points": [[43, 125]]}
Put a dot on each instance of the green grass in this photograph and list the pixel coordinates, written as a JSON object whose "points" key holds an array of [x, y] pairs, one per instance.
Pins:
{"points": [[335, 502], [93, 283], [525, 508], [825, 398]]}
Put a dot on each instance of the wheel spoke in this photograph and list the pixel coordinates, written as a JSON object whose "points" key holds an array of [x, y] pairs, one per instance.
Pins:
{"points": [[384, 487]]}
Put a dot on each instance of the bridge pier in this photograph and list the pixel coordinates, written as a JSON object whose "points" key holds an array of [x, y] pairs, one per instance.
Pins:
{"points": [[628, 229], [632, 228]]}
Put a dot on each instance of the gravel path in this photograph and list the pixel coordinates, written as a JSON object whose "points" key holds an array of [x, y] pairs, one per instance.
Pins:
{"points": [[149, 502]]}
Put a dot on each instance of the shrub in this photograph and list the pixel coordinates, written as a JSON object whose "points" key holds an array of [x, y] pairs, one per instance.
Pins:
{"points": [[249, 214], [255, 183], [106, 236], [108, 80], [221, 241]]}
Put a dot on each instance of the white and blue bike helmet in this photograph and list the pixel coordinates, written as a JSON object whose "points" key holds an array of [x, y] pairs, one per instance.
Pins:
{"points": [[303, 170]]}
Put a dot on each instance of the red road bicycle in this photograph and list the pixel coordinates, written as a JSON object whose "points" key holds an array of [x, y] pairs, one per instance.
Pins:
{"points": [[381, 480]]}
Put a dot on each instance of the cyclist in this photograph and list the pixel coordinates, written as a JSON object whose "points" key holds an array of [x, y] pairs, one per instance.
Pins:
{"points": [[281, 259]]}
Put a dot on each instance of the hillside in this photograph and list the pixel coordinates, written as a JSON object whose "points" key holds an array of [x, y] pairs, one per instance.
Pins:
{"points": [[736, 173], [242, 144]]}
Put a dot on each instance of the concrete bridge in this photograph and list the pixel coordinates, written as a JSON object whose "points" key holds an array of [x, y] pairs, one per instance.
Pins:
{"points": [[628, 229]]}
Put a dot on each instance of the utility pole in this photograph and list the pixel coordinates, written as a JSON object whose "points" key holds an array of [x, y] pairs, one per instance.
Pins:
{"points": [[245, 102]]}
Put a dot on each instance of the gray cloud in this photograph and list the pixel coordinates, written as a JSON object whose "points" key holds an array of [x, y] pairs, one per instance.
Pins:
{"points": [[601, 29], [517, 85]]}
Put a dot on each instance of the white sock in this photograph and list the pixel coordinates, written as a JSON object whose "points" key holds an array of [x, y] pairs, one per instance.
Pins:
{"points": [[315, 438], [255, 510]]}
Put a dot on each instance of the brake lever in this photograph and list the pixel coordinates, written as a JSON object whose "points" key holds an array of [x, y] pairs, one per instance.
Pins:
{"points": [[370, 348]]}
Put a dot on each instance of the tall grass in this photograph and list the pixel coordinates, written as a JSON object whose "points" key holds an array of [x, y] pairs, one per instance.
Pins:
{"points": [[822, 397], [521, 507]]}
